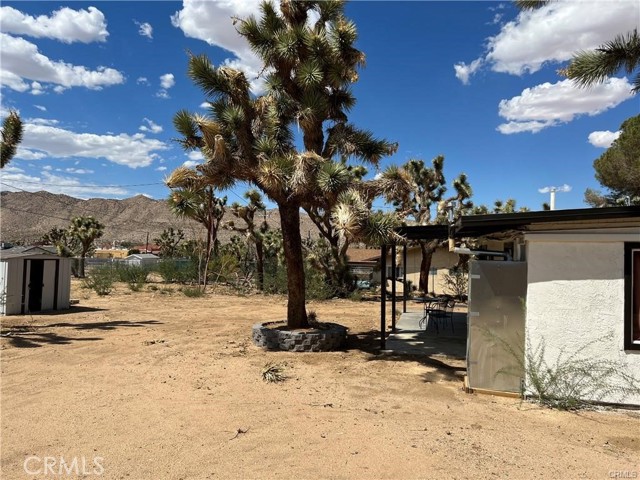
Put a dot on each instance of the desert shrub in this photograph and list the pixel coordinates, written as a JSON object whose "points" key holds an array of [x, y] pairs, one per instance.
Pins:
{"points": [[356, 296], [456, 282], [193, 292], [177, 270], [133, 275], [223, 268], [275, 278], [101, 279], [573, 381], [316, 286]]}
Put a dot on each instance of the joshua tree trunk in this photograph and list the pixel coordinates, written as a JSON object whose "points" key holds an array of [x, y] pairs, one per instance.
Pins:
{"points": [[427, 249], [81, 266], [260, 263], [292, 240]]}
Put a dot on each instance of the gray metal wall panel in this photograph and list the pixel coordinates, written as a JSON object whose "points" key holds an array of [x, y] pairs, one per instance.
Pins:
{"points": [[495, 343]]}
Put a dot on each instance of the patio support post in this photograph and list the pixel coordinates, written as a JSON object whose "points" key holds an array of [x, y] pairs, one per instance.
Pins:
{"points": [[383, 297], [404, 278], [393, 287]]}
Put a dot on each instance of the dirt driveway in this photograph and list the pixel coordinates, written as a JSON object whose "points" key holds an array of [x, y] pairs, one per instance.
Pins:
{"points": [[160, 386]]}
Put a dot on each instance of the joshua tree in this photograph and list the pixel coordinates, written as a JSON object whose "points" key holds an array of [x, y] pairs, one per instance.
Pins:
{"points": [[414, 189], [169, 242], [65, 244], [193, 198], [253, 233], [86, 230], [310, 63], [12, 129]]}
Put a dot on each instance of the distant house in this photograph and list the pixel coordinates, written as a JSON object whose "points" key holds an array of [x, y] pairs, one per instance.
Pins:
{"points": [[110, 253], [148, 248], [362, 262], [33, 279], [141, 259], [442, 262]]}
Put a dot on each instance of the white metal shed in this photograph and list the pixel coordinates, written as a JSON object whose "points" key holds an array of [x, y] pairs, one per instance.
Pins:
{"points": [[142, 259], [33, 280]]}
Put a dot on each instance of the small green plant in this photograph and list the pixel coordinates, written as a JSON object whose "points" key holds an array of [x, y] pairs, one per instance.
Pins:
{"points": [[193, 292], [273, 373], [101, 280], [356, 296]]}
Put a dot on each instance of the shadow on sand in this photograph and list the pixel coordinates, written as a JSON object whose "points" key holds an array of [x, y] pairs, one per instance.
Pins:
{"points": [[33, 336]]}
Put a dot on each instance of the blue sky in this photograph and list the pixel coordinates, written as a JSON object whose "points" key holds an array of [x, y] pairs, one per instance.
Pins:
{"points": [[98, 84]]}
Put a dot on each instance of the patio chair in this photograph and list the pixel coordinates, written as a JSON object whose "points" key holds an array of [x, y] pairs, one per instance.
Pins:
{"points": [[432, 310], [444, 312]]}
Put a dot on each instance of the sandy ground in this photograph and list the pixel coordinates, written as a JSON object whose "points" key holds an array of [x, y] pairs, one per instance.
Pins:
{"points": [[160, 386]]}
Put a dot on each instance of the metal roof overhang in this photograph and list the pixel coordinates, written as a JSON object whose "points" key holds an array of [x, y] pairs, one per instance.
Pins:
{"points": [[481, 225]]}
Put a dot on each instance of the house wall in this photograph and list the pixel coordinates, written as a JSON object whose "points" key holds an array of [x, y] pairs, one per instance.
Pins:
{"points": [[442, 260], [575, 298]]}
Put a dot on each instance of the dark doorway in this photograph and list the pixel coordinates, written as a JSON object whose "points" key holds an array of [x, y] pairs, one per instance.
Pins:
{"points": [[36, 282]]}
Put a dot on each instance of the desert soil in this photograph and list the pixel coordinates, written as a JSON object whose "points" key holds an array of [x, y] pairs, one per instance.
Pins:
{"points": [[161, 386]]}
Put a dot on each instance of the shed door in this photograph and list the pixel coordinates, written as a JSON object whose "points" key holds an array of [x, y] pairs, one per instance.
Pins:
{"points": [[49, 285], [40, 283], [35, 285]]}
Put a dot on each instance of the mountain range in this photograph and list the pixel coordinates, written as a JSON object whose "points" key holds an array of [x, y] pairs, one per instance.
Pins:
{"points": [[25, 217]]}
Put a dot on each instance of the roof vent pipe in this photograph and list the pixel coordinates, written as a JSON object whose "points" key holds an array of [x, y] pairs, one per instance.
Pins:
{"points": [[466, 251]]}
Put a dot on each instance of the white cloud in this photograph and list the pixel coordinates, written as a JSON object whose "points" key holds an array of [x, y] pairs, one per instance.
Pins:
{"points": [[79, 171], [205, 105], [47, 168], [464, 71], [603, 139], [196, 156], [21, 60], [26, 154], [548, 105], [11, 169], [132, 151], [561, 188], [190, 163], [211, 22], [42, 121], [150, 126], [556, 31], [57, 184], [36, 88], [143, 81], [41, 108], [65, 25], [496, 18], [167, 80], [145, 29], [161, 169]]}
